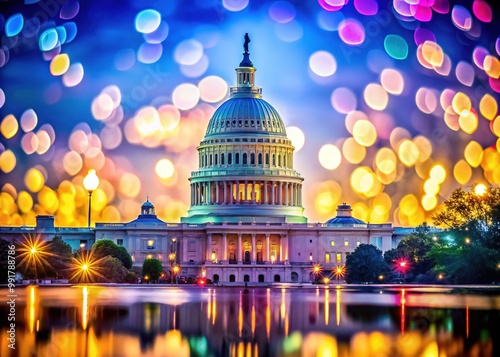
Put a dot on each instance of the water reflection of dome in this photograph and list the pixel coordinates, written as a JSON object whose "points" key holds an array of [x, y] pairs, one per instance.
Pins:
{"points": [[344, 217]]}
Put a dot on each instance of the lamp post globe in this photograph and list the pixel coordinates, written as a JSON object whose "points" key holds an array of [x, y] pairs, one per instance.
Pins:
{"points": [[90, 182]]}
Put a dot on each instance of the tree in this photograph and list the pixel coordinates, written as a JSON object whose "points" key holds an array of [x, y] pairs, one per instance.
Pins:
{"points": [[105, 247], [113, 270], [60, 257], [469, 250], [365, 264], [152, 268], [415, 247], [467, 214]]}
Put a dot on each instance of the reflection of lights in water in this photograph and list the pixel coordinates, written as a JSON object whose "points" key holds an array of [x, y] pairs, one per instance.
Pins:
{"points": [[467, 321], [240, 317], [253, 313], [327, 306], [32, 309], [85, 307], [209, 305], [214, 309], [337, 307], [403, 302], [268, 313]]}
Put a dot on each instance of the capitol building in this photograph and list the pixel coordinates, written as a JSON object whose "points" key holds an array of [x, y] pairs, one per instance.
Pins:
{"points": [[246, 221]]}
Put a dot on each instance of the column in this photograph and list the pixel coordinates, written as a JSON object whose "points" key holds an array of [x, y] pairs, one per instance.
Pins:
{"points": [[231, 190], [272, 192], [265, 192], [224, 248], [239, 249], [281, 248], [284, 243], [253, 192], [209, 247], [254, 253], [209, 193], [280, 193], [217, 192], [268, 257], [291, 203], [245, 198], [184, 257], [238, 192], [225, 192]]}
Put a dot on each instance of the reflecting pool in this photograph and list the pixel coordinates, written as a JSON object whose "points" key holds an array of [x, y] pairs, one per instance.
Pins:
{"points": [[233, 321]]}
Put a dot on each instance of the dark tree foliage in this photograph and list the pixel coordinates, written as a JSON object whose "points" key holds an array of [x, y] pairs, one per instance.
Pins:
{"points": [[365, 264], [152, 268], [415, 247], [113, 270], [106, 247], [468, 251], [467, 214], [60, 258], [125, 257]]}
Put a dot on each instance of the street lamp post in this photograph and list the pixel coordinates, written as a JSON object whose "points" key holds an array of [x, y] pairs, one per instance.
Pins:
{"points": [[90, 182], [176, 270], [33, 252]]}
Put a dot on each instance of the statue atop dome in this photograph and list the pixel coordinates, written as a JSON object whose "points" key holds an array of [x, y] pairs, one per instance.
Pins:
{"points": [[246, 55], [247, 41]]}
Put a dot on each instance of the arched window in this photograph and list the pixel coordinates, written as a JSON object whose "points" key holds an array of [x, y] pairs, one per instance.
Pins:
{"points": [[260, 159], [261, 278], [267, 159], [232, 278], [201, 161], [279, 160], [277, 278], [252, 159], [215, 160], [274, 160], [206, 160], [295, 277], [222, 159], [210, 160], [245, 158], [237, 158], [216, 278], [284, 160], [246, 278], [229, 159]]}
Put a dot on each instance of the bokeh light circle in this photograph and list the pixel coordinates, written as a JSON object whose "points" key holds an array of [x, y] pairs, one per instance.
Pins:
{"points": [[351, 32], [147, 21], [323, 63], [329, 157]]}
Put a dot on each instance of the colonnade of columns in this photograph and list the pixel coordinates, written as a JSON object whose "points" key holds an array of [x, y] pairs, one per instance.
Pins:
{"points": [[246, 191], [278, 256]]}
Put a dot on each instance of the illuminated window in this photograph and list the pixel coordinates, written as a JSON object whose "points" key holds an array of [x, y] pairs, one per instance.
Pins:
{"points": [[150, 256], [332, 243], [327, 258], [151, 244], [119, 241], [358, 243], [346, 243], [339, 258]]}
